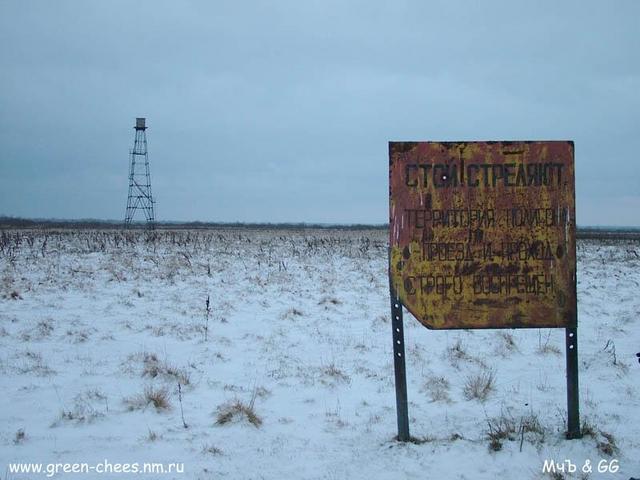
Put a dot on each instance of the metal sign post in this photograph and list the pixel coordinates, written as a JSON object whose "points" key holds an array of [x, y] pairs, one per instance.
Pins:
{"points": [[573, 403], [402, 407]]}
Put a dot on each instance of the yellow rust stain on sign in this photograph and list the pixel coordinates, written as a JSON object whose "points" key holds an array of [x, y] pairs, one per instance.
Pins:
{"points": [[482, 234]]}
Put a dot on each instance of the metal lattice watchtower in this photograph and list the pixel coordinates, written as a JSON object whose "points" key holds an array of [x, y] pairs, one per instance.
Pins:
{"points": [[140, 197]]}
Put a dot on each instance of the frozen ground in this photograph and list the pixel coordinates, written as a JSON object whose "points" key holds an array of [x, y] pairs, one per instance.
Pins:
{"points": [[292, 376]]}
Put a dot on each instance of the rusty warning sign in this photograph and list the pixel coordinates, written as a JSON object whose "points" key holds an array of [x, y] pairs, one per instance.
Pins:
{"points": [[482, 234]]}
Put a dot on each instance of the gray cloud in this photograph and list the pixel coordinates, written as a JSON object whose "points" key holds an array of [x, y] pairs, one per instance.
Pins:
{"points": [[281, 111]]}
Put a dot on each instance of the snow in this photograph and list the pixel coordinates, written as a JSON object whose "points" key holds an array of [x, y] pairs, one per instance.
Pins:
{"points": [[299, 331]]}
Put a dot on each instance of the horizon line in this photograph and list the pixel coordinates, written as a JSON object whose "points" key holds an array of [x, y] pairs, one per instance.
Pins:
{"points": [[24, 221]]}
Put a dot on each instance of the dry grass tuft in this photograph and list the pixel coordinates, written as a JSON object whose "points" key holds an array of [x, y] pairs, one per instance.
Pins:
{"points": [[292, 313], [158, 397], [438, 389], [507, 343], [506, 427], [330, 301], [238, 410], [556, 475], [80, 413], [153, 368], [33, 363], [212, 450], [544, 347], [549, 349], [605, 442], [43, 329], [479, 386], [608, 444], [19, 437], [457, 354], [335, 372]]}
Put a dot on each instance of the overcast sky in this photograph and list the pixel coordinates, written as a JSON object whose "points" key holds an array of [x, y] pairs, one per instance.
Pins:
{"points": [[281, 111]]}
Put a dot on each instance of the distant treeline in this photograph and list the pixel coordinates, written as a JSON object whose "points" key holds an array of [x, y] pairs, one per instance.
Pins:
{"points": [[614, 233], [16, 222]]}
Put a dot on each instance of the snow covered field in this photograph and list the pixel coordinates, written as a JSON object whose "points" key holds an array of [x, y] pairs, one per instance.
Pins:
{"points": [[291, 374]]}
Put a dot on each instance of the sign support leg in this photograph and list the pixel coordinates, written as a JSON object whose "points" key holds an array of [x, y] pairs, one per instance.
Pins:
{"points": [[402, 408], [573, 409]]}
